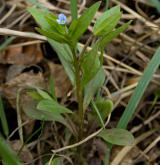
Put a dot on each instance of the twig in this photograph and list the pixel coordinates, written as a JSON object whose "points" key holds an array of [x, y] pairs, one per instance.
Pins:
{"points": [[83, 141], [25, 44], [8, 14], [5, 31], [14, 131]]}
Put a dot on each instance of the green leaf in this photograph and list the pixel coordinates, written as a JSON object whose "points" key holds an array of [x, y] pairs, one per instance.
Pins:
{"points": [[44, 115], [44, 94], [108, 25], [7, 155], [140, 89], [53, 35], [107, 21], [101, 109], [92, 87], [74, 10], [7, 41], [55, 26], [38, 4], [156, 4], [117, 136], [106, 14], [97, 114], [65, 55], [52, 106], [107, 38], [34, 95], [105, 107], [42, 18], [39, 16], [63, 50], [90, 60], [3, 118], [82, 23]]}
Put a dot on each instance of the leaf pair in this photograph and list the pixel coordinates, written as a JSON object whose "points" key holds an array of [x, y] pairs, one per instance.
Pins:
{"points": [[47, 108], [80, 25], [49, 26], [51, 29], [105, 26]]}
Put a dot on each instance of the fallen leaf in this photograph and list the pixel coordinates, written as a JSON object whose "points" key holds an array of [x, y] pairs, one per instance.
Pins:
{"points": [[25, 154], [61, 80], [23, 80], [26, 55]]}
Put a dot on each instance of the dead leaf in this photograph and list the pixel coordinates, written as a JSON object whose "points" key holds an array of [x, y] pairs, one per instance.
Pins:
{"points": [[61, 80], [13, 71], [3, 70], [23, 80], [25, 154], [26, 55]]}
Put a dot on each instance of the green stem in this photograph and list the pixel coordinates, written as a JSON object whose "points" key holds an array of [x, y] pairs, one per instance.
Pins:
{"points": [[79, 93]]}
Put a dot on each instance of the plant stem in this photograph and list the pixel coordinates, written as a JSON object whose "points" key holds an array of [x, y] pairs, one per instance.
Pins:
{"points": [[79, 93], [79, 89], [80, 100]]}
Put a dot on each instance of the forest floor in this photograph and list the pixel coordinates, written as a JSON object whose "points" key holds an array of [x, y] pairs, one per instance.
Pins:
{"points": [[26, 59]]}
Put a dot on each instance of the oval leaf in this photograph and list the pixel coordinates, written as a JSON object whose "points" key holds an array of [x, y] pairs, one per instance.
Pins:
{"points": [[52, 106], [107, 21], [117, 136], [93, 86], [105, 107], [105, 15], [90, 60]]}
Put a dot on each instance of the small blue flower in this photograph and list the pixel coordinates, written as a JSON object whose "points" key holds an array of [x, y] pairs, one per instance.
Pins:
{"points": [[62, 19]]}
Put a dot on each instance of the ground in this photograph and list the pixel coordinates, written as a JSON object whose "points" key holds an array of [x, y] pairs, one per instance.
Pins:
{"points": [[29, 60]]}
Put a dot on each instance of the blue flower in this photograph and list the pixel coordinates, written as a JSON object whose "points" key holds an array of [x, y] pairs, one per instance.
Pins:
{"points": [[62, 19]]}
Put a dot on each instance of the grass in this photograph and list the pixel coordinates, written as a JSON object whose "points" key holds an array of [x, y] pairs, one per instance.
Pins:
{"points": [[139, 91], [3, 119], [7, 155]]}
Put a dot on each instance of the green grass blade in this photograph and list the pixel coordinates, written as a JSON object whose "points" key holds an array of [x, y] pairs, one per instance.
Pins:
{"points": [[74, 10], [3, 119], [7, 155], [107, 4], [139, 91], [156, 4], [6, 43]]}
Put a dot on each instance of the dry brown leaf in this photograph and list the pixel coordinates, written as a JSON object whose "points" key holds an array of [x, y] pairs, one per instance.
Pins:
{"points": [[3, 70], [22, 55], [13, 71], [25, 154], [23, 80], [62, 83]]}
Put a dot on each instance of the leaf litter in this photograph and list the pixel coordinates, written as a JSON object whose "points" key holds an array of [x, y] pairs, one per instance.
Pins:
{"points": [[134, 48]]}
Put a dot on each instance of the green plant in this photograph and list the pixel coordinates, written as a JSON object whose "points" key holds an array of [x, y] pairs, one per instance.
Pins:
{"points": [[3, 119], [7, 155], [84, 68]]}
